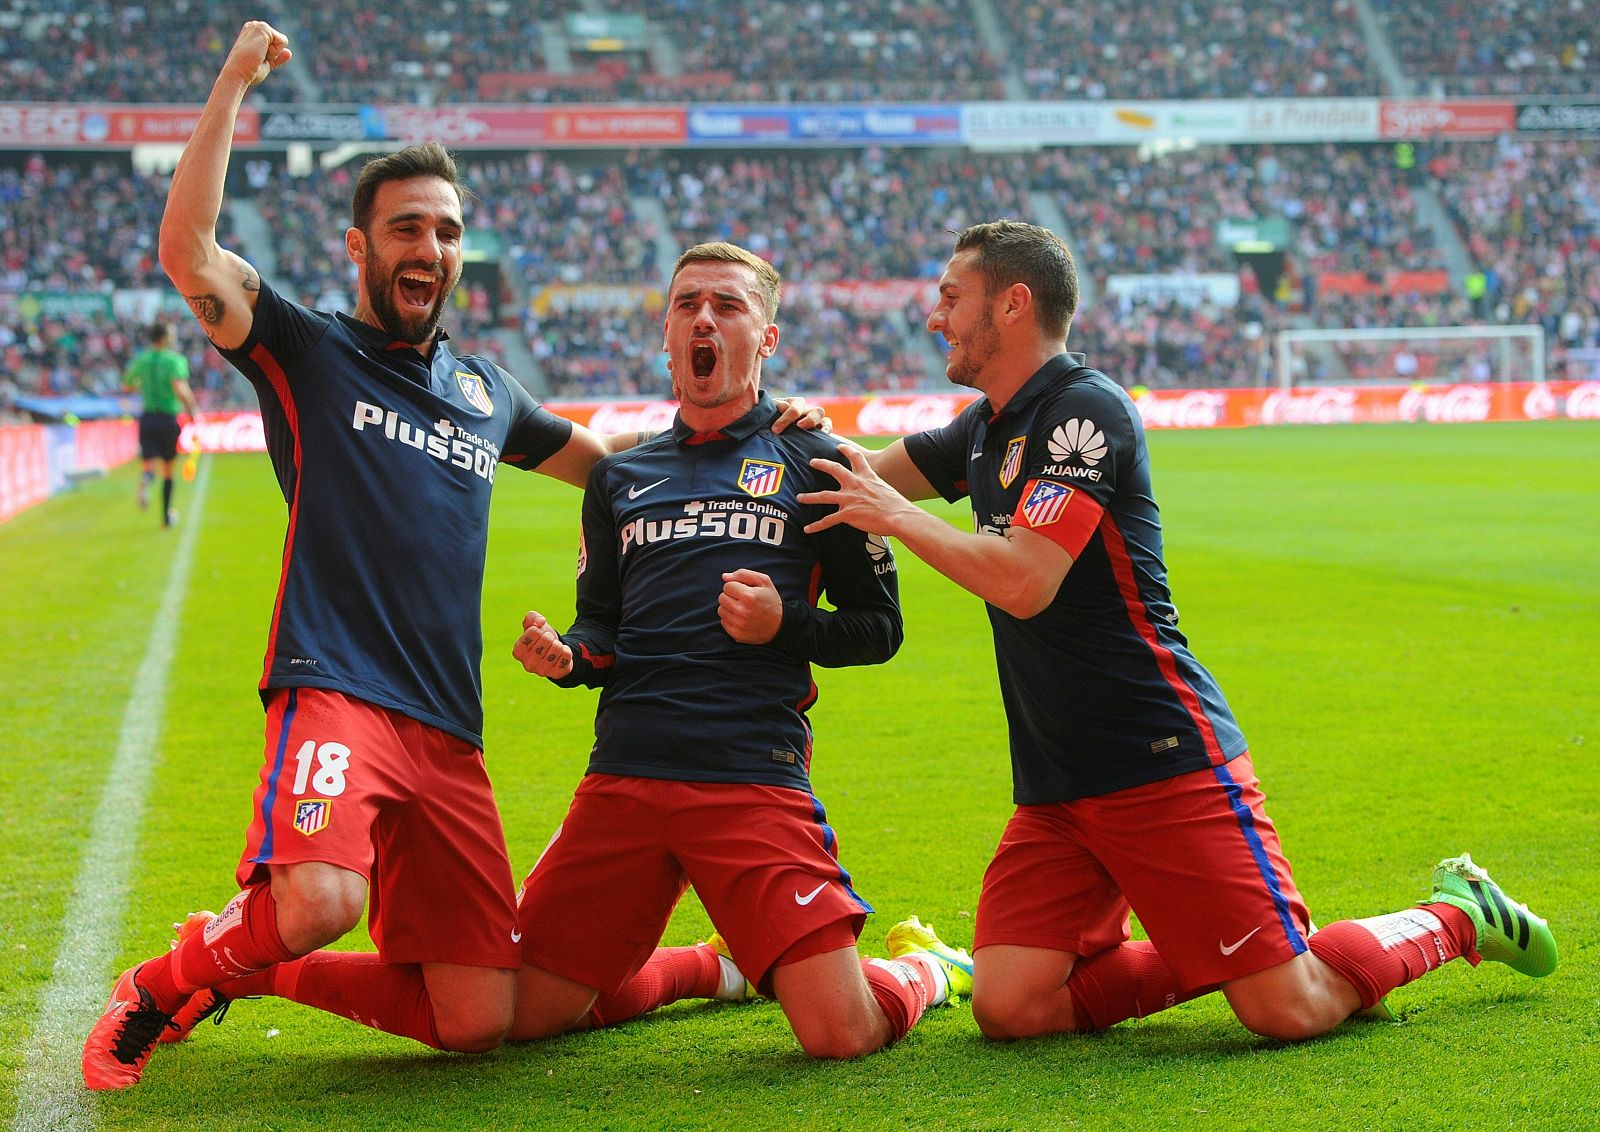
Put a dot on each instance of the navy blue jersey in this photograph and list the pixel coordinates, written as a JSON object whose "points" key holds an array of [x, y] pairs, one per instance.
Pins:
{"points": [[1101, 691], [386, 460], [662, 523]]}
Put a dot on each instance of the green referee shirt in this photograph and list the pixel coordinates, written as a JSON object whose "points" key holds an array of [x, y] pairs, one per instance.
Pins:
{"points": [[154, 372]]}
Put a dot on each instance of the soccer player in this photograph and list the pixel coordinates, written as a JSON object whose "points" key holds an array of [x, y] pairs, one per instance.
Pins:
{"points": [[161, 375], [385, 444], [1134, 786], [698, 617]]}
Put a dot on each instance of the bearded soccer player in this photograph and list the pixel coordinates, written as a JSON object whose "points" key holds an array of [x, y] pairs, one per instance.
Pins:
{"points": [[1135, 789], [385, 444], [698, 617]]}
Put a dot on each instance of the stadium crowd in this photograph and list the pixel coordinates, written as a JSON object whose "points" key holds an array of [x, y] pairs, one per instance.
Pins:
{"points": [[823, 50], [608, 224], [1191, 49]]}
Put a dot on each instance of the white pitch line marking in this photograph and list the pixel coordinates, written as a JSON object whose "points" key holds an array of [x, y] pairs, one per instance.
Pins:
{"points": [[51, 1096]]}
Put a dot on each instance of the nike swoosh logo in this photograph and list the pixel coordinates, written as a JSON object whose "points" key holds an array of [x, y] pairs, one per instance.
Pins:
{"points": [[1226, 950], [636, 491], [810, 896], [516, 937], [978, 454]]}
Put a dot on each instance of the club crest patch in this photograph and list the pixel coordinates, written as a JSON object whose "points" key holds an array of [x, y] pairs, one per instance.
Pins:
{"points": [[1045, 502], [472, 388], [311, 815], [1012, 464], [760, 477]]}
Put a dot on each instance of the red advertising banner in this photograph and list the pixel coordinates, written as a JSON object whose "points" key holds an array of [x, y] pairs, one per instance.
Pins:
{"points": [[111, 125], [1392, 283], [1432, 119], [1345, 404], [239, 431], [898, 414], [106, 444], [24, 468], [495, 127], [24, 478]]}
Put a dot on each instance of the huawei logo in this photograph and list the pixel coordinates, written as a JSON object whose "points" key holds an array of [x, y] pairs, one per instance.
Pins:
{"points": [[1080, 439]]}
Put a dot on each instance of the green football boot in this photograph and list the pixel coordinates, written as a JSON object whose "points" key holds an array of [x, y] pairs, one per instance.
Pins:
{"points": [[913, 935], [1507, 932]]}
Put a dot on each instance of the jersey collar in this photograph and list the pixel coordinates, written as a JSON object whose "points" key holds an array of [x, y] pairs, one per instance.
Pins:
{"points": [[760, 415], [1043, 378], [378, 339]]}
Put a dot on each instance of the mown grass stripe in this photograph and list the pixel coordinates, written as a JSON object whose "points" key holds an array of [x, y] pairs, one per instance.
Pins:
{"points": [[51, 1096]]}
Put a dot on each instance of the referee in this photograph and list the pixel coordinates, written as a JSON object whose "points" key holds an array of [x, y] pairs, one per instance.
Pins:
{"points": [[161, 375]]}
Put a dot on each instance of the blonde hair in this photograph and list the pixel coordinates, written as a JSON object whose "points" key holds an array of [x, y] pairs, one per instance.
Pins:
{"points": [[721, 252]]}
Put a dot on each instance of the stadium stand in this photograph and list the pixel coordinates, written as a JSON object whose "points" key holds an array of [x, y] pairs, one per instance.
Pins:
{"points": [[1479, 47], [575, 239], [1191, 49]]}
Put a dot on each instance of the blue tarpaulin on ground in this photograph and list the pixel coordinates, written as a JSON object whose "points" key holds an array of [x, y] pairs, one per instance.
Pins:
{"points": [[85, 408]]}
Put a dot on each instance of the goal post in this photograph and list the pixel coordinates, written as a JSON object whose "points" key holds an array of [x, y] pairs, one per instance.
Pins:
{"points": [[1393, 355]]}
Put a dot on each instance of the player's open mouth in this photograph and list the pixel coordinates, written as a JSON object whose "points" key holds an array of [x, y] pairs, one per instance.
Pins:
{"points": [[703, 359], [418, 288]]}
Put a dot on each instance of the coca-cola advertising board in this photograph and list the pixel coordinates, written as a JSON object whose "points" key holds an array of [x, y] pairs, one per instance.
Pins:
{"points": [[902, 413], [899, 414], [224, 432]]}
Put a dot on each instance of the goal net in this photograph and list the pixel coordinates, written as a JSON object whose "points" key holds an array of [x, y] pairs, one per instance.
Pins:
{"points": [[1405, 355]]}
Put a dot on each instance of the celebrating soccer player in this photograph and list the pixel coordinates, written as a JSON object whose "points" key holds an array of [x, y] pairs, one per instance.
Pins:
{"points": [[385, 445], [1135, 789], [698, 617]]}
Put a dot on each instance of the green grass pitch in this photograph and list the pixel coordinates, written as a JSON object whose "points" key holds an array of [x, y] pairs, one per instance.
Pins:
{"points": [[1403, 617]]}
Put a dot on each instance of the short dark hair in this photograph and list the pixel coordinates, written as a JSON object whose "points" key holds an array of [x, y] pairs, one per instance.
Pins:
{"points": [[158, 332], [720, 252], [427, 160], [1010, 251]]}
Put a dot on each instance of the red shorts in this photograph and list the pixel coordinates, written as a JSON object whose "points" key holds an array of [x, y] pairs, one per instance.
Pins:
{"points": [[761, 858], [407, 806], [1194, 857]]}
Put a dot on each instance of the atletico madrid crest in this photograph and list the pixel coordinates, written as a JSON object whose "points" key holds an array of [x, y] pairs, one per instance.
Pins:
{"points": [[311, 816], [473, 389], [1012, 464], [1045, 502], [760, 477]]}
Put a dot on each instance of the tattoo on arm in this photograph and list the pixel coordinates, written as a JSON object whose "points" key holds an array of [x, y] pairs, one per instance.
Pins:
{"points": [[207, 308], [252, 281]]}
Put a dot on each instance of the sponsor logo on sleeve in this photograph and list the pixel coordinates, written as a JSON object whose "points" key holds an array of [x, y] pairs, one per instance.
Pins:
{"points": [[882, 557], [472, 388], [760, 477], [1045, 502], [311, 815], [1077, 447], [1012, 464]]}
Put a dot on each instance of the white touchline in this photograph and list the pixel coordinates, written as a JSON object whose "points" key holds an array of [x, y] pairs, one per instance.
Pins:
{"points": [[50, 1092]]}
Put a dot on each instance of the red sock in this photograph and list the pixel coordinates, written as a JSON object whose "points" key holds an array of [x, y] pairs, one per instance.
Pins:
{"points": [[359, 985], [242, 939], [1129, 981], [671, 974], [901, 988], [1378, 954]]}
